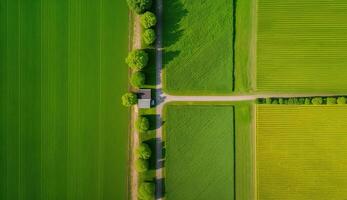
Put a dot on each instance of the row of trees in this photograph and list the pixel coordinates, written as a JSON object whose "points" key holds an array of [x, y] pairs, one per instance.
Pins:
{"points": [[143, 154], [304, 100]]}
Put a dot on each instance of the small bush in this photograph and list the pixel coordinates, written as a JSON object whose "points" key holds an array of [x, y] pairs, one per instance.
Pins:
{"points": [[291, 101], [137, 59], [275, 101], [129, 99], [141, 165], [146, 191], [142, 124], [149, 36], [331, 100], [280, 101], [307, 101], [139, 6], [317, 101], [143, 151], [268, 101], [148, 20], [137, 79], [341, 100]]}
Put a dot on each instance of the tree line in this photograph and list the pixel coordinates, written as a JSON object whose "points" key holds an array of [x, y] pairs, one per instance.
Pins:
{"points": [[304, 100]]}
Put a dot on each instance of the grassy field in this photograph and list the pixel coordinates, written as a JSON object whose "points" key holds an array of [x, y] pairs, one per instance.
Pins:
{"points": [[301, 46], [245, 41], [198, 47], [200, 152], [301, 152], [202, 142], [63, 133]]}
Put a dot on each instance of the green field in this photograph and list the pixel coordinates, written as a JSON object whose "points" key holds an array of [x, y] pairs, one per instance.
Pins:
{"points": [[301, 152], [202, 142], [245, 42], [198, 47], [301, 46], [63, 133]]}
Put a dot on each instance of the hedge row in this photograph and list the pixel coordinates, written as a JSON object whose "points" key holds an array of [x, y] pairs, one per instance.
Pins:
{"points": [[304, 100]]}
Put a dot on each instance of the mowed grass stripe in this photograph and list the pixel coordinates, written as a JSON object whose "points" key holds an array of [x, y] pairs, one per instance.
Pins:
{"points": [[3, 99], [54, 99], [30, 61], [199, 152], [301, 53], [301, 152]]}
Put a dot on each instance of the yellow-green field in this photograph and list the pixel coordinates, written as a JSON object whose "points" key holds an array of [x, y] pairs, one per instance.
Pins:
{"points": [[301, 46], [301, 152]]}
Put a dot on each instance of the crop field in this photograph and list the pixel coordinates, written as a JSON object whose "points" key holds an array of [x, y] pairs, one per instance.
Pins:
{"points": [[198, 47], [63, 132], [301, 152], [201, 151], [301, 46]]}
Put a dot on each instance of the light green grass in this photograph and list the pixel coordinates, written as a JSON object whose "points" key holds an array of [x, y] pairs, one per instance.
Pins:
{"points": [[198, 47], [199, 152], [244, 45], [301, 46], [63, 132], [301, 152]]}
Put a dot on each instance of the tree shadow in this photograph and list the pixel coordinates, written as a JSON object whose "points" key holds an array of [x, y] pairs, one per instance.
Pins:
{"points": [[152, 118], [172, 30], [156, 161], [150, 69], [169, 56]]}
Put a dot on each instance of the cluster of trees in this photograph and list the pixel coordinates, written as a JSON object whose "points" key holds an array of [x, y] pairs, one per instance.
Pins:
{"points": [[137, 60], [304, 100], [148, 21], [139, 6]]}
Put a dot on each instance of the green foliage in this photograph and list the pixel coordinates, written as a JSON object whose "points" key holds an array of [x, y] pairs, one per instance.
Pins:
{"points": [[141, 165], [137, 79], [143, 151], [317, 101], [331, 100], [137, 59], [291, 101], [307, 101], [148, 20], [129, 99], [341, 100], [149, 36], [280, 101], [268, 101], [139, 6], [275, 101], [198, 47], [142, 124], [146, 191]]}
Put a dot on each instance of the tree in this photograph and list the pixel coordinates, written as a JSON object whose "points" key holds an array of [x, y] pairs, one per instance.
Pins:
{"points": [[129, 99], [146, 191], [142, 124], [149, 36], [139, 6], [317, 100], [291, 100], [137, 59], [143, 151], [331, 100], [341, 100], [307, 101], [141, 165], [148, 20], [137, 79]]}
